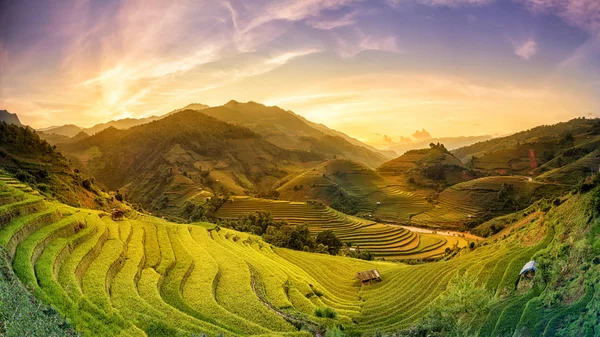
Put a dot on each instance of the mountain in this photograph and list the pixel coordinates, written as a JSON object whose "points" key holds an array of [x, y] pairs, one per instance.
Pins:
{"points": [[321, 127], [450, 143], [9, 118], [289, 131], [539, 151], [537, 134], [71, 130], [68, 130], [187, 155]]}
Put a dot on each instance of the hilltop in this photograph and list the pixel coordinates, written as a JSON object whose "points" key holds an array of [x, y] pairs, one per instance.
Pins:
{"points": [[451, 143], [187, 155], [71, 130], [434, 167], [9, 118]]}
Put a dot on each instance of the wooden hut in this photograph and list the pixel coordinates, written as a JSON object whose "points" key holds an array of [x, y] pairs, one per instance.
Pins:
{"points": [[117, 214], [369, 276]]}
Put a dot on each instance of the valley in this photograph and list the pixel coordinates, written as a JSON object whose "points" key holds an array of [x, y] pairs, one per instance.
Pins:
{"points": [[428, 222]]}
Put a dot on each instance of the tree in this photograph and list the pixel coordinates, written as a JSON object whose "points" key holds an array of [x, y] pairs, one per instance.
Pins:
{"points": [[328, 238]]}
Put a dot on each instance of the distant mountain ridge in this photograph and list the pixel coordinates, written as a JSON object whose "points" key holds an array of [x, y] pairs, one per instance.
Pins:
{"points": [[9, 118], [71, 130], [280, 127], [450, 143]]}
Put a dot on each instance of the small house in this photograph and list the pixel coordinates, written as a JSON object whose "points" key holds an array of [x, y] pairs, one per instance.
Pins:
{"points": [[529, 269], [369, 276]]}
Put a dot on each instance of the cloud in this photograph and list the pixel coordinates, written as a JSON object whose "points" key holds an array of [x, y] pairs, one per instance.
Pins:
{"points": [[328, 24], [350, 46], [584, 14], [526, 49], [387, 139], [421, 135], [439, 3]]}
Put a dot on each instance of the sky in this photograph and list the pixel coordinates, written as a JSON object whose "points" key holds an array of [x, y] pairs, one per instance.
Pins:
{"points": [[376, 70]]}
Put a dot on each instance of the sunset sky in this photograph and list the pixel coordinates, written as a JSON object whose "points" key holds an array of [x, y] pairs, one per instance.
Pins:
{"points": [[367, 68]]}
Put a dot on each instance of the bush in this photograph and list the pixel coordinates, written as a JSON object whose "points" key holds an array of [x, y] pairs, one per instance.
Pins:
{"points": [[325, 312], [87, 184]]}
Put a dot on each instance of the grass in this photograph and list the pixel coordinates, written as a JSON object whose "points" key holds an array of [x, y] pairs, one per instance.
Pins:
{"points": [[144, 276], [325, 312]]}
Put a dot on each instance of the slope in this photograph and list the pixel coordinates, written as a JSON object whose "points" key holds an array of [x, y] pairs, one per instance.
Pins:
{"points": [[144, 276], [538, 134], [352, 188], [184, 156], [434, 167], [32, 160], [288, 131], [463, 205], [390, 242]]}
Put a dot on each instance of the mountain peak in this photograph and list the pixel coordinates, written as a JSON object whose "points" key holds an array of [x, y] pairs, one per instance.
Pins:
{"points": [[9, 118]]}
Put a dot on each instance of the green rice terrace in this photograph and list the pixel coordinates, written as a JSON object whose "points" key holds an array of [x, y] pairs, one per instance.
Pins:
{"points": [[144, 276], [484, 197], [391, 242], [344, 181]]}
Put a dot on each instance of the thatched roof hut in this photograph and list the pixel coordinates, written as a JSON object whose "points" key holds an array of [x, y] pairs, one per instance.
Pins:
{"points": [[368, 276]]}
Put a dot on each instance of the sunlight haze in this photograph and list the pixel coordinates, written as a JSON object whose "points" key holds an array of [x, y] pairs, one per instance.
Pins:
{"points": [[366, 68]]}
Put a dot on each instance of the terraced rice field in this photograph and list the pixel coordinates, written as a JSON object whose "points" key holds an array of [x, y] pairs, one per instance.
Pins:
{"points": [[378, 198], [469, 200], [390, 242], [144, 276]]}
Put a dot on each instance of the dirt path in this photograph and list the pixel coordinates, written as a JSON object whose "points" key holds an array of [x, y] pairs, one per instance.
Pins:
{"points": [[296, 321], [441, 232]]}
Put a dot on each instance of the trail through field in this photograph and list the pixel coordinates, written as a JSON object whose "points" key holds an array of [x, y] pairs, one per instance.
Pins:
{"points": [[442, 232]]}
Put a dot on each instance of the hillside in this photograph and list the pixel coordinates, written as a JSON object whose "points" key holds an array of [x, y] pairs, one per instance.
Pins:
{"points": [[434, 167], [143, 276], [352, 188], [463, 205], [9, 118], [185, 156], [289, 131], [33, 161], [543, 133], [390, 242], [387, 153]]}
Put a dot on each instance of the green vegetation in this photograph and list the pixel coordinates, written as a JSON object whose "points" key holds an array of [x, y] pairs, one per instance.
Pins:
{"points": [[144, 276], [21, 313], [35, 162], [187, 156], [367, 239], [354, 189], [466, 205], [282, 234]]}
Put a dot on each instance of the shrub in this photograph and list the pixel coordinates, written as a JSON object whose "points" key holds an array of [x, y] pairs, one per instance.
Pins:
{"points": [[160, 329], [325, 312]]}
